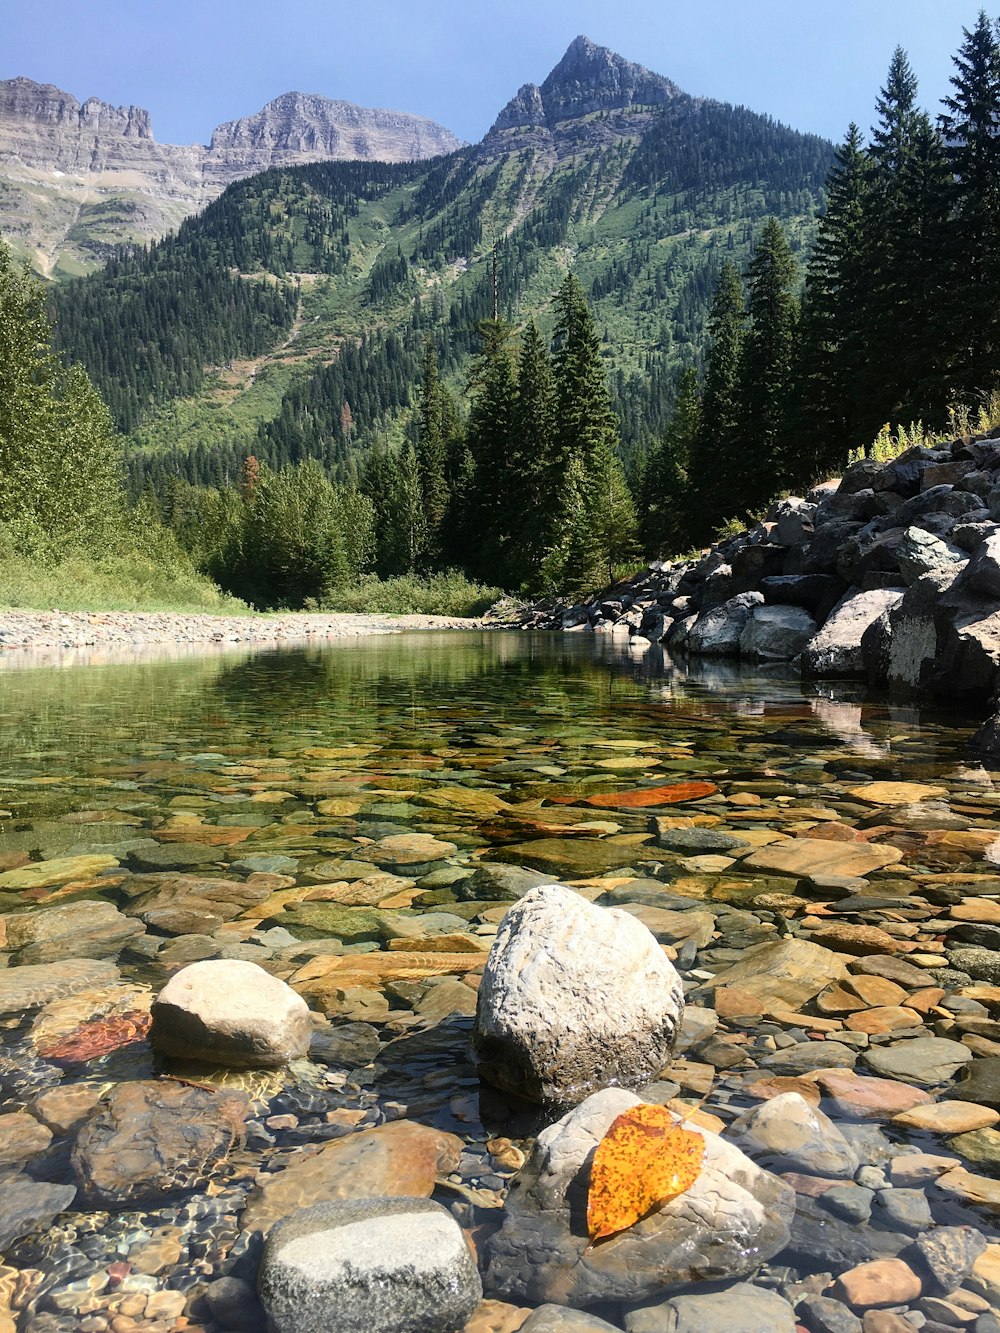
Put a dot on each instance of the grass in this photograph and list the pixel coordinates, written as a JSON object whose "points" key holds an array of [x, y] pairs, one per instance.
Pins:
{"points": [[113, 583], [964, 423], [447, 594]]}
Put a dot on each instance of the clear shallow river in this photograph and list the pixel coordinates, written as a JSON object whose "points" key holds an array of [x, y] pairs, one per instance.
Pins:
{"points": [[287, 780]]}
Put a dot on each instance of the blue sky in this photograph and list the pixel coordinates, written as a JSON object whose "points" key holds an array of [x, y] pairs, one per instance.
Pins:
{"points": [[815, 64]]}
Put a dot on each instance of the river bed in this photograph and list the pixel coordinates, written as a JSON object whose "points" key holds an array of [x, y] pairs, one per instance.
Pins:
{"points": [[356, 818]]}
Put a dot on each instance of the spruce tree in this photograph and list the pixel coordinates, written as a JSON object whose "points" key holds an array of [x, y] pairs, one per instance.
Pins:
{"points": [[665, 523], [534, 494], [432, 450], [716, 462], [830, 416], [971, 129], [768, 358], [491, 391]]}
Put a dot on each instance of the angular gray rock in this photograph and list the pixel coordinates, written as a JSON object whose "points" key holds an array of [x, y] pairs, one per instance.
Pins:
{"points": [[368, 1266], [28, 1205], [560, 1319], [732, 1219], [574, 997], [230, 1012], [776, 633], [836, 649], [744, 1307], [716, 632], [920, 553]]}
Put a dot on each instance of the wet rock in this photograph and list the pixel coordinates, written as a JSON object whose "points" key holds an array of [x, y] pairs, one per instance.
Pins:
{"points": [[409, 851], [879, 1283], [368, 1266], [29, 987], [948, 1255], [560, 1319], [350, 1044], [805, 1057], [576, 858], [731, 1220], [980, 1082], [21, 1137], [981, 963], [400, 1159], [948, 1117], [233, 1303], [782, 975], [29, 1205], [742, 1306], [905, 1210], [980, 1146], [229, 1012], [498, 883], [574, 997], [824, 1315], [923, 1060], [172, 856], [57, 870], [845, 938], [88, 929], [148, 1140], [807, 858], [863, 1098], [691, 841], [787, 1134]]}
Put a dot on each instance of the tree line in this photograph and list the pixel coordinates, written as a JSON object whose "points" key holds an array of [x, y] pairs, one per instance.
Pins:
{"points": [[898, 318]]}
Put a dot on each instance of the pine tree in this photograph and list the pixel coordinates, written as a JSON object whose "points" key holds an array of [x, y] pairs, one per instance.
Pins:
{"points": [[491, 390], [830, 415], [432, 450], [971, 129], [666, 525], [602, 532], [534, 493], [716, 458]]}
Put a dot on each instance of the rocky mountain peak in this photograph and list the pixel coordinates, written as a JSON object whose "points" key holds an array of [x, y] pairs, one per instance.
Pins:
{"points": [[23, 101], [588, 78]]}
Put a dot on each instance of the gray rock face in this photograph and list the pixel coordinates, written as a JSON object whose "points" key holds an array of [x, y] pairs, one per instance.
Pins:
{"points": [[734, 1218], [790, 1135], [836, 649], [574, 997], [776, 633], [368, 1266], [716, 632], [230, 1012], [27, 1205]]}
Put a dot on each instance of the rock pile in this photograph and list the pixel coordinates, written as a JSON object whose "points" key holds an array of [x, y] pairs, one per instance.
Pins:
{"points": [[891, 573]]}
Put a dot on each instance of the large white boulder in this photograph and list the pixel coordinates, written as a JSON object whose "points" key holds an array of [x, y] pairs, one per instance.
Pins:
{"points": [[574, 998], [230, 1012]]}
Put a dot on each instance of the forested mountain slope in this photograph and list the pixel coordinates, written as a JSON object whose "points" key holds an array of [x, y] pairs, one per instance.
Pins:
{"points": [[288, 319]]}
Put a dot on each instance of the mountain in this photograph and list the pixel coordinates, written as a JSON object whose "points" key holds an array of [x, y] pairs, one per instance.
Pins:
{"points": [[305, 290], [77, 179]]}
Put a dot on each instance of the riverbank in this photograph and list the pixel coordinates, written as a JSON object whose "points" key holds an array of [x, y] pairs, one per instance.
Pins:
{"points": [[30, 632]]}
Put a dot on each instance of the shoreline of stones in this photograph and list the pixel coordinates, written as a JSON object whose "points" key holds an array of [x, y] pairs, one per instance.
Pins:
{"points": [[31, 637], [889, 574]]}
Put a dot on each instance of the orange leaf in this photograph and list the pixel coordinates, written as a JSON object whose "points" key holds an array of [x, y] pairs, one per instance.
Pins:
{"points": [[644, 1160], [672, 795]]}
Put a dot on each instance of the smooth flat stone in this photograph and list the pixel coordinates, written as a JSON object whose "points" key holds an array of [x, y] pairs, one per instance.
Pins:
{"points": [[806, 857]]}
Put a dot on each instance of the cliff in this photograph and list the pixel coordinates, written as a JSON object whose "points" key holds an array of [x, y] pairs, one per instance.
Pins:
{"points": [[78, 178]]}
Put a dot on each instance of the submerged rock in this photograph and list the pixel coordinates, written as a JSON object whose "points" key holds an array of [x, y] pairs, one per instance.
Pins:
{"points": [[369, 1266], [573, 998], [230, 1012], [732, 1219]]}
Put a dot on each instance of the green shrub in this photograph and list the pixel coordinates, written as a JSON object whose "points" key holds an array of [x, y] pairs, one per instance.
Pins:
{"points": [[447, 594]]}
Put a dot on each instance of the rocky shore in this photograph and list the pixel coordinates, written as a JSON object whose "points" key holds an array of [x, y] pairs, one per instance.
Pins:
{"points": [[47, 634], [890, 574]]}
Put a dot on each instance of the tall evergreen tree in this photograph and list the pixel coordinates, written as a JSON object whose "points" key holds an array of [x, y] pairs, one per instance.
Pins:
{"points": [[663, 493], [534, 490], [830, 415], [716, 468], [768, 358], [971, 129], [432, 449], [491, 392]]}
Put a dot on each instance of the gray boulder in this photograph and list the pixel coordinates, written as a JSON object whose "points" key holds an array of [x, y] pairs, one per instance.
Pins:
{"points": [[983, 574], [793, 519], [790, 1135], [368, 1266], [776, 633], [716, 632], [230, 1012], [732, 1219], [574, 997], [742, 1306], [836, 649], [920, 553]]}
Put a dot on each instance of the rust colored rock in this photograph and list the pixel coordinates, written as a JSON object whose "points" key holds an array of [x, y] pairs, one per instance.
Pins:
{"points": [[862, 940]]}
